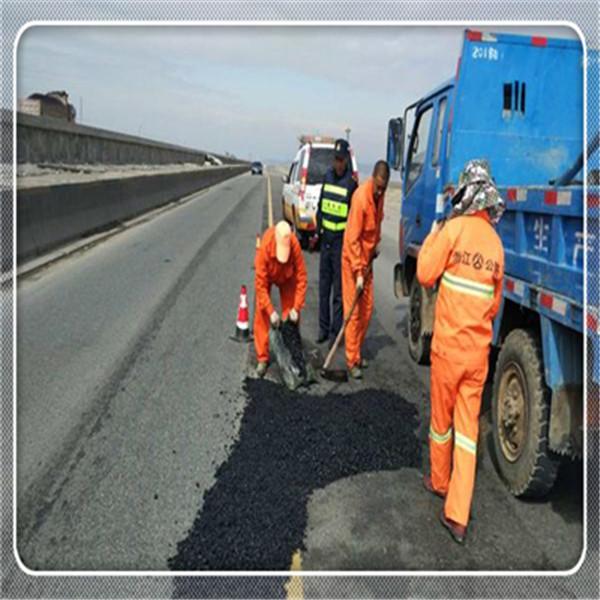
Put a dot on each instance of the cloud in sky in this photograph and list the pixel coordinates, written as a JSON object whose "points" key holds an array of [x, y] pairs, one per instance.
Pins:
{"points": [[246, 90]]}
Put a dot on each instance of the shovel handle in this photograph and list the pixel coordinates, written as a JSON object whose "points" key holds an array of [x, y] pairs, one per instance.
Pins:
{"points": [[340, 334]]}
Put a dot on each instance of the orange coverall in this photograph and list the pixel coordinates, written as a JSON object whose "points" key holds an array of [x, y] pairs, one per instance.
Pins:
{"points": [[362, 234], [467, 255], [289, 277]]}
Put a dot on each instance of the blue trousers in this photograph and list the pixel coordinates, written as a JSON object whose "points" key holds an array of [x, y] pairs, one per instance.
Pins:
{"points": [[330, 286]]}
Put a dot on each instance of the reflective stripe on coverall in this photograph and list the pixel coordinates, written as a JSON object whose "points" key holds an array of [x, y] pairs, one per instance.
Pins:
{"points": [[363, 233], [289, 277], [466, 255]]}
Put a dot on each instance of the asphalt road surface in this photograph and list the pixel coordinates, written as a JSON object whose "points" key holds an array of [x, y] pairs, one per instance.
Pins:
{"points": [[145, 443]]}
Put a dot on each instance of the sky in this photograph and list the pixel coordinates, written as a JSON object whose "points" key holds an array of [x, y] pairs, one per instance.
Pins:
{"points": [[246, 90]]}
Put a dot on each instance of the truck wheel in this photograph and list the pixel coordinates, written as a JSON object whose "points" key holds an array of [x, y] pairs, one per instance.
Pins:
{"points": [[521, 415], [419, 342]]}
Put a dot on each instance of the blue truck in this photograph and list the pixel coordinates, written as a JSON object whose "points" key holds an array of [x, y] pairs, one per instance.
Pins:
{"points": [[516, 101]]}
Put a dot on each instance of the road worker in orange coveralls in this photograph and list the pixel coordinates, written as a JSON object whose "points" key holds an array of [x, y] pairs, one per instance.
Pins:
{"points": [[465, 255], [279, 262], [361, 237]]}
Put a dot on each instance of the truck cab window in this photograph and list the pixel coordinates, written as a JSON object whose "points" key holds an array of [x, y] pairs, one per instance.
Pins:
{"points": [[418, 147], [435, 158]]}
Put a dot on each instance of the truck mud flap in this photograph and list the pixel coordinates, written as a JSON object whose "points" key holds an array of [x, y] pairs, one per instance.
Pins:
{"points": [[400, 284], [566, 421]]}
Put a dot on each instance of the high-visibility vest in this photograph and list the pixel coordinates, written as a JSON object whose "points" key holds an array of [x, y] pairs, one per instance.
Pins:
{"points": [[335, 203]]}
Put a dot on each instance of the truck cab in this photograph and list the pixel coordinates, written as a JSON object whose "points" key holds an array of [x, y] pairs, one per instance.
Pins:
{"points": [[423, 172], [516, 101]]}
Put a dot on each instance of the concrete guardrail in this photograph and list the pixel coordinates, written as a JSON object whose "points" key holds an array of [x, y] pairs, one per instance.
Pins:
{"points": [[52, 214], [43, 140], [49, 216]]}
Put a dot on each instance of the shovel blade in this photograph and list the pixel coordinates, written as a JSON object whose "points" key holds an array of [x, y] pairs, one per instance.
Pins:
{"points": [[338, 375]]}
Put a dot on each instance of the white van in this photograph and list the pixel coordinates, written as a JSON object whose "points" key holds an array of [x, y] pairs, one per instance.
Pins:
{"points": [[302, 185]]}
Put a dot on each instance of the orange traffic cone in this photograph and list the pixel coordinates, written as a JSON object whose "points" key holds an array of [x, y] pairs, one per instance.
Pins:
{"points": [[242, 329]]}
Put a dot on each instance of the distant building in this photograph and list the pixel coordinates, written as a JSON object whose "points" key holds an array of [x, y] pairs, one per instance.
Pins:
{"points": [[53, 104]]}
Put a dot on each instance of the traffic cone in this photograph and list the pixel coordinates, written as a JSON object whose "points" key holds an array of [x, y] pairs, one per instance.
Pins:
{"points": [[242, 329]]}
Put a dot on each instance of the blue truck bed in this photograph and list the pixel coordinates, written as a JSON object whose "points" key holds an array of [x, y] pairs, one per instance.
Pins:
{"points": [[516, 101], [542, 233]]}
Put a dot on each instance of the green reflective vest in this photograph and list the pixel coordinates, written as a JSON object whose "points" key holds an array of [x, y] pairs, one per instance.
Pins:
{"points": [[334, 207]]}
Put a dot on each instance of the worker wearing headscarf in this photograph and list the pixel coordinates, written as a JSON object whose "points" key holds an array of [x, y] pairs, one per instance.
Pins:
{"points": [[465, 255], [361, 237], [279, 262]]}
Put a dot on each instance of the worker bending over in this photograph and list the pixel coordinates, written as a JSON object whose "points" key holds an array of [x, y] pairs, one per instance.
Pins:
{"points": [[361, 237], [279, 262], [465, 254]]}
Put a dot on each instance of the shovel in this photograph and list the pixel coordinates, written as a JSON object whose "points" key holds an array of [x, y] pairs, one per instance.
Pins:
{"points": [[341, 375]]}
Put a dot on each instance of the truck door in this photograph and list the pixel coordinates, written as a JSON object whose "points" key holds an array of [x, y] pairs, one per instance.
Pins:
{"points": [[424, 168], [422, 184], [438, 155], [416, 177]]}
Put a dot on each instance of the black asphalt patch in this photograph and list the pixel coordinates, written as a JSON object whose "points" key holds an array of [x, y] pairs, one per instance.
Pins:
{"points": [[290, 444]]}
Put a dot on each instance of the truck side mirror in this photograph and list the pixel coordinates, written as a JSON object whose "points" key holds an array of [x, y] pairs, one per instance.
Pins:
{"points": [[394, 143]]}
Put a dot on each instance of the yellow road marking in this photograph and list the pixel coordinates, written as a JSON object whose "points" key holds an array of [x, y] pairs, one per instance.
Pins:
{"points": [[269, 200], [294, 587]]}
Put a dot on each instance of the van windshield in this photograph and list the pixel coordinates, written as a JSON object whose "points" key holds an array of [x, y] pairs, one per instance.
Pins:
{"points": [[320, 160]]}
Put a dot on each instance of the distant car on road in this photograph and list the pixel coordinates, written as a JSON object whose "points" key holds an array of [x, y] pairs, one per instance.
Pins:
{"points": [[302, 184], [213, 160], [256, 168]]}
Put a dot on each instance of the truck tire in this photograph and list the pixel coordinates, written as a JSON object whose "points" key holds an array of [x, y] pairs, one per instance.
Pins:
{"points": [[419, 341], [521, 416]]}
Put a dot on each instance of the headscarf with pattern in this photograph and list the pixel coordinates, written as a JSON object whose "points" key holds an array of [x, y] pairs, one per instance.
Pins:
{"points": [[477, 191]]}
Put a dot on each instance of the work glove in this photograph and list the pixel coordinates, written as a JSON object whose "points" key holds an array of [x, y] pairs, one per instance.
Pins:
{"points": [[294, 315], [360, 283], [275, 319]]}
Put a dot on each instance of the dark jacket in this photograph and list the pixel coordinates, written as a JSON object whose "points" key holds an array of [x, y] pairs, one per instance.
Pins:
{"points": [[334, 203]]}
